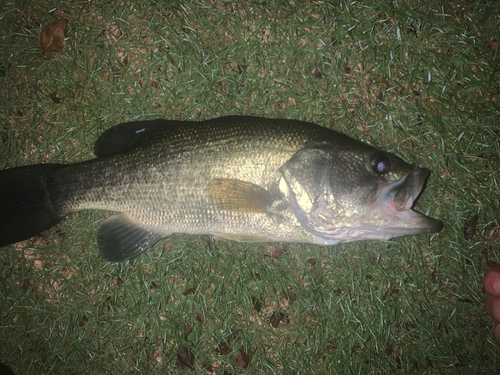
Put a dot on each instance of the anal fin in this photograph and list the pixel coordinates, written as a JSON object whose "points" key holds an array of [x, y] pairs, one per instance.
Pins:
{"points": [[119, 238]]}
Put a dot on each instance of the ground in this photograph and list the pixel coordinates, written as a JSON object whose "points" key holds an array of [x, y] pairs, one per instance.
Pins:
{"points": [[419, 79]]}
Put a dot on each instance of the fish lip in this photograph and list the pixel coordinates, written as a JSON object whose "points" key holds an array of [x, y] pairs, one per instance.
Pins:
{"points": [[396, 202], [411, 187], [416, 223]]}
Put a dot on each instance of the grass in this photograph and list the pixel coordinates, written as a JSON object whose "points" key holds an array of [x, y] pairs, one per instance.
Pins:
{"points": [[413, 78]]}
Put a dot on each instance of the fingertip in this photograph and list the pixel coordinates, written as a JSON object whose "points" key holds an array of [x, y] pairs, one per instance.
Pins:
{"points": [[492, 281], [493, 307]]}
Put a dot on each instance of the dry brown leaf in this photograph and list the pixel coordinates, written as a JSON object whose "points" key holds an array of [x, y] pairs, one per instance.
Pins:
{"points": [[185, 357], [26, 284], [82, 321], [470, 227], [199, 317], [118, 281], [277, 318], [389, 349], [276, 250], [187, 330], [52, 36], [223, 349], [290, 295], [494, 45], [316, 72], [208, 367], [54, 98], [242, 359]]}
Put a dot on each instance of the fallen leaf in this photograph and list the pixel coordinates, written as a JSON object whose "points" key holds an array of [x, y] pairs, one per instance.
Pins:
{"points": [[199, 317], [83, 320], [208, 367], [278, 317], [491, 231], [223, 349], [494, 45], [316, 72], [54, 98], [470, 227], [242, 359], [434, 276], [466, 300], [26, 284], [277, 250], [53, 35], [40, 239], [185, 356], [119, 282], [290, 295], [383, 80], [187, 330]]}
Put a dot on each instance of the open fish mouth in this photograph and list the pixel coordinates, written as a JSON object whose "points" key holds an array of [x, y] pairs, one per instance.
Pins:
{"points": [[394, 208], [391, 215]]}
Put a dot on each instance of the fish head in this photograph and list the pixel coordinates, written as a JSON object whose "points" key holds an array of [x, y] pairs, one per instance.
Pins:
{"points": [[354, 192]]}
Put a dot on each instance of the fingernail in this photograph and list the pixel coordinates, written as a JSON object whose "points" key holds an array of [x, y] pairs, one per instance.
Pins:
{"points": [[496, 286]]}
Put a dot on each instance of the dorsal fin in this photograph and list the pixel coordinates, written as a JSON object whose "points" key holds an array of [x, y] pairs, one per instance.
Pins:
{"points": [[124, 136]]}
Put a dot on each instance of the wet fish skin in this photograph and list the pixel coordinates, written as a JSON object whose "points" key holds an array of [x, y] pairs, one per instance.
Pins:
{"points": [[238, 177]]}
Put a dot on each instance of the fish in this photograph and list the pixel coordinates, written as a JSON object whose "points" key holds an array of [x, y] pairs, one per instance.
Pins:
{"points": [[238, 178]]}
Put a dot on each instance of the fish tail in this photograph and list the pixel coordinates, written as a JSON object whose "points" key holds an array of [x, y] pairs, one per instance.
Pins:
{"points": [[26, 206]]}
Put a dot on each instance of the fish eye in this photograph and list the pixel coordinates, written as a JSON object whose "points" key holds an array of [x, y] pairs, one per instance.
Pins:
{"points": [[380, 163]]}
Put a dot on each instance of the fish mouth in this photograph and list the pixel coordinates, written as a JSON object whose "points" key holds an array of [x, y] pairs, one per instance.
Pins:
{"points": [[390, 215], [394, 207]]}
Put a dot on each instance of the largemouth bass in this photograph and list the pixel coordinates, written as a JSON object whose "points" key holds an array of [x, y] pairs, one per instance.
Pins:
{"points": [[239, 178]]}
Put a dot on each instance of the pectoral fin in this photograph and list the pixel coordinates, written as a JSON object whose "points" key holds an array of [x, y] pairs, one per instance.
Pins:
{"points": [[119, 238], [237, 195]]}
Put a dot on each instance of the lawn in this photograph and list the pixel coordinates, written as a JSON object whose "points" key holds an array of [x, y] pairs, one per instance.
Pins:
{"points": [[417, 78]]}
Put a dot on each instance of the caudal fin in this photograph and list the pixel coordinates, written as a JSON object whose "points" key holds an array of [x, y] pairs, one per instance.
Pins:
{"points": [[25, 205]]}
